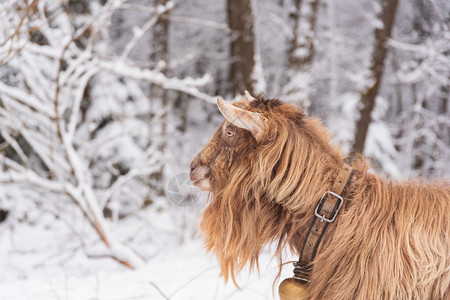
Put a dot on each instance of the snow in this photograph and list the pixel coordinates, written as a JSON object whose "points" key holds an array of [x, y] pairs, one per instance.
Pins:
{"points": [[379, 147], [182, 272], [27, 99]]}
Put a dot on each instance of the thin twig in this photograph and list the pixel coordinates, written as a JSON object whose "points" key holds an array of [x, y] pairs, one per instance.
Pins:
{"points": [[191, 280], [159, 290], [25, 15]]}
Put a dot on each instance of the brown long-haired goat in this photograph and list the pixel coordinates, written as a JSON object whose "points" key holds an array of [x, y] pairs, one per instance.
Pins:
{"points": [[266, 168]]}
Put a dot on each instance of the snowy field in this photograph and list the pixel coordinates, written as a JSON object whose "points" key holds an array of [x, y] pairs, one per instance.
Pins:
{"points": [[186, 272]]}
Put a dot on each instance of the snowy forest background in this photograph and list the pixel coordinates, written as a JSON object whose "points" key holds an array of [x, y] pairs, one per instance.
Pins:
{"points": [[103, 102]]}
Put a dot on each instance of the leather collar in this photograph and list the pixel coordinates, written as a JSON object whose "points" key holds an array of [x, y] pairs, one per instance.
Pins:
{"points": [[325, 214]]}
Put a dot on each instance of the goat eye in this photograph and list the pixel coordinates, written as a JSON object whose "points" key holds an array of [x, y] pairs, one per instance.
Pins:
{"points": [[230, 133]]}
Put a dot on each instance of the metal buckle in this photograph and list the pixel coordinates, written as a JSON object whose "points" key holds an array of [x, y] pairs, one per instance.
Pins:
{"points": [[333, 217]]}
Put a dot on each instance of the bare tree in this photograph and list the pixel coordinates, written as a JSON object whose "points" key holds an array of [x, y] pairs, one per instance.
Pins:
{"points": [[159, 50], [298, 87], [160, 56], [245, 69], [382, 33]]}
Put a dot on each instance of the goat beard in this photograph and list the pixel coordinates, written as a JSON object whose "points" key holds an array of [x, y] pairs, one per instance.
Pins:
{"points": [[238, 223]]}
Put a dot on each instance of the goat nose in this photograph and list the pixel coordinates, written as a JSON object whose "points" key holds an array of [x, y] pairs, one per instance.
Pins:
{"points": [[193, 165]]}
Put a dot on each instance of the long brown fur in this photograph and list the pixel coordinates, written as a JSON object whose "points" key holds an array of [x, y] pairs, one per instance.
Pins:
{"points": [[390, 240]]}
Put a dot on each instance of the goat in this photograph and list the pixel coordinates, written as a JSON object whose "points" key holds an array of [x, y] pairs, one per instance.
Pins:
{"points": [[267, 166]]}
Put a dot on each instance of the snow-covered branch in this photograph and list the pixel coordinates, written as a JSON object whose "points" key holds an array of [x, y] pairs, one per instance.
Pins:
{"points": [[64, 96], [139, 32], [185, 85]]}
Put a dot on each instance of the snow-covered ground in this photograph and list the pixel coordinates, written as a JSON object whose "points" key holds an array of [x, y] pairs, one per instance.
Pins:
{"points": [[183, 273]]}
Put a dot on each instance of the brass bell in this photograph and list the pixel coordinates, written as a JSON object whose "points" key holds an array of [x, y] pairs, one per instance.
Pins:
{"points": [[292, 289]]}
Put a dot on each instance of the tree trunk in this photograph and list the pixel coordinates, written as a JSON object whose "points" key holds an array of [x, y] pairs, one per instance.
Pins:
{"points": [[379, 53], [160, 49], [242, 46], [294, 17], [301, 50], [300, 53], [417, 153], [160, 55]]}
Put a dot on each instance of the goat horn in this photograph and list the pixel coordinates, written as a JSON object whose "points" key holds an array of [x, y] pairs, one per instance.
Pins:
{"points": [[251, 121], [250, 98]]}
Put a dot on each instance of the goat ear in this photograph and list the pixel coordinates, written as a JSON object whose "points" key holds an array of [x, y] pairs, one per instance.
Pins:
{"points": [[250, 98], [248, 120]]}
